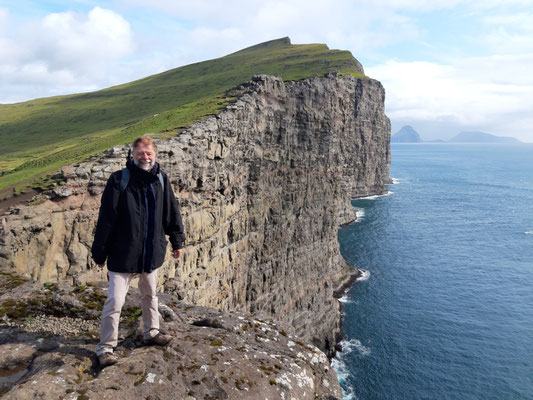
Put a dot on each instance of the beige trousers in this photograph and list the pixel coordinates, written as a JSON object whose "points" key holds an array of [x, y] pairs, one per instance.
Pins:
{"points": [[119, 284]]}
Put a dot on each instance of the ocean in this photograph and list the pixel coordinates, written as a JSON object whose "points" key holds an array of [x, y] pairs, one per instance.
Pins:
{"points": [[445, 308]]}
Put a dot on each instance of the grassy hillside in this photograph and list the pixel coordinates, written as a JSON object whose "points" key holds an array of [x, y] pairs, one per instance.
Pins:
{"points": [[39, 136]]}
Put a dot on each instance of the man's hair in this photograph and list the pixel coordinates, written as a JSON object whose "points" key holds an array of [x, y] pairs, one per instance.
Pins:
{"points": [[146, 140]]}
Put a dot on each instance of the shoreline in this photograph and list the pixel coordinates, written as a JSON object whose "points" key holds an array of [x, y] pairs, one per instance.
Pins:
{"points": [[354, 275], [337, 294], [344, 286]]}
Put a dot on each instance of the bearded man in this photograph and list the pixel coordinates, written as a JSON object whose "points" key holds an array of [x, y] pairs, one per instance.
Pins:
{"points": [[138, 208]]}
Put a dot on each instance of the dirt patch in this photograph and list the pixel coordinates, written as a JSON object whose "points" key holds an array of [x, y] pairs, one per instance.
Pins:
{"points": [[11, 201]]}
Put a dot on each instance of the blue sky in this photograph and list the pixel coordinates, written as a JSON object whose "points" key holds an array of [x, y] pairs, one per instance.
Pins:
{"points": [[447, 66]]}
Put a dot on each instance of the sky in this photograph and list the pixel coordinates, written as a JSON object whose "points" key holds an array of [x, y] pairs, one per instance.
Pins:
{"points": [[446, 65]]}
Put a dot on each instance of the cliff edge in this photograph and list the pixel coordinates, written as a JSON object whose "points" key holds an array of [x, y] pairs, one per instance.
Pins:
{"points": [[49, 332], [263, 185]]}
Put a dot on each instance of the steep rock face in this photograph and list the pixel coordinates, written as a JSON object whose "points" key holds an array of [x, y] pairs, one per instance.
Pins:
{"points": [[263, 187]]}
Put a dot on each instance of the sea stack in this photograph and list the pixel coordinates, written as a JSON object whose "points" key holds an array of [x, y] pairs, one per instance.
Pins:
{"points": [[406, 135]]}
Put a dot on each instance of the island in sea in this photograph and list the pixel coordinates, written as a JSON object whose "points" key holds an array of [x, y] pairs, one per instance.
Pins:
{"points": [[407, 134], [481, 137]]}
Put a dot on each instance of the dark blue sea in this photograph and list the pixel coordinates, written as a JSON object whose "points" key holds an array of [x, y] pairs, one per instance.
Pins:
{"points": [[445, 310]]}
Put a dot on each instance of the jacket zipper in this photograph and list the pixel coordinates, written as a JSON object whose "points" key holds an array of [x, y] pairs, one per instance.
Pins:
{"points": [[146, 212]]}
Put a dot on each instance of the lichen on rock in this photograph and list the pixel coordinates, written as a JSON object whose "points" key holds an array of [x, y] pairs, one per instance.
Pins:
{"points": [[210, 356]]}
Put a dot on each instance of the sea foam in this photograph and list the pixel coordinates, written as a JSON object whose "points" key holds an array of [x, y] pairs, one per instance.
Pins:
{"points": [[341, 368], [375, 196], [349, 346], [364, 275], [342, 372], [344, 300]]}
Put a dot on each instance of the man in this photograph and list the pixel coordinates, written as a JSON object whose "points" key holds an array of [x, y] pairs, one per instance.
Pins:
{"points": [[137, 209]]}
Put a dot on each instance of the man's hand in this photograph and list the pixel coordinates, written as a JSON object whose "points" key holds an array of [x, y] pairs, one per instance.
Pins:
{"points": [[177, 253]]}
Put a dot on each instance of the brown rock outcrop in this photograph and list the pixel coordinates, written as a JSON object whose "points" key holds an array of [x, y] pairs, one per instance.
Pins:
{"points": [[263, 187], [46, 354]]}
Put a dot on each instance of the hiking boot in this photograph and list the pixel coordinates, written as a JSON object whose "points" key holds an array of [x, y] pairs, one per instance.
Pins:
{"points": [[107, 359], [158, 340]]}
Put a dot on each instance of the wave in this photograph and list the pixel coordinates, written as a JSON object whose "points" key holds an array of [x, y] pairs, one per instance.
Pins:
{"points": [[349, 346], [529, 233], [345, 300], [364, 275], [342, 372], [341, 367], [375, 196], [360, 213]]}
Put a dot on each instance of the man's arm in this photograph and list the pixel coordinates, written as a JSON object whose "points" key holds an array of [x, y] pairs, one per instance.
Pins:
{"points": [[106, 221], [172, 221]]}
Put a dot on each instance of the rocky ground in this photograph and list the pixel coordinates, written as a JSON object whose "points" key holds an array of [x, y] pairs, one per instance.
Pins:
{"points": [[48, 334]]}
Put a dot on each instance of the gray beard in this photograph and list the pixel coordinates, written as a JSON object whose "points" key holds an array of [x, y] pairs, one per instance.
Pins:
{"points": [[143, 167]]}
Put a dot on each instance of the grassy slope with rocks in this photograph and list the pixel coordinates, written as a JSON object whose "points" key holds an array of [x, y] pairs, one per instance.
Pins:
{"points": [[40, 136]]}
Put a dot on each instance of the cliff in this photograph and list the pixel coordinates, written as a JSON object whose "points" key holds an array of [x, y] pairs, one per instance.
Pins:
{"points": [[263, 185]]}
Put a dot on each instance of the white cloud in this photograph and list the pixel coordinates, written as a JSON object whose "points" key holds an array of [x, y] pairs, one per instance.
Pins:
{"points": [[343, 24], [4, 13], [97, 48], [70, 52], [79, 42], [432, 5], [511, 33], [476, 92], [62, 50], [520, 20]]}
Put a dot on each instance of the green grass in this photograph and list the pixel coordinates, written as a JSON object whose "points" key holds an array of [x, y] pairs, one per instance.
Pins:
{"points": [[41, 135]]}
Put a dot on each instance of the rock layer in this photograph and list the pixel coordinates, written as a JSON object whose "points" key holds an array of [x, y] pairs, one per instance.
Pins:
{"points": [[263, 187]]}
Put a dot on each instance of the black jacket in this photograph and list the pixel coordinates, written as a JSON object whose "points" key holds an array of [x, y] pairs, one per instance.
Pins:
{"points": [[131, 227]]}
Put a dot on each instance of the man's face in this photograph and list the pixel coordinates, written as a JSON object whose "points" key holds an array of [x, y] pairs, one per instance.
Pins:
{"points": [[144, 156]]}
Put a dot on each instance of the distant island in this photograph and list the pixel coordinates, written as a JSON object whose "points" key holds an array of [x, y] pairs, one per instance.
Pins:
{"points": [[481, 137], [407, 134]]}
